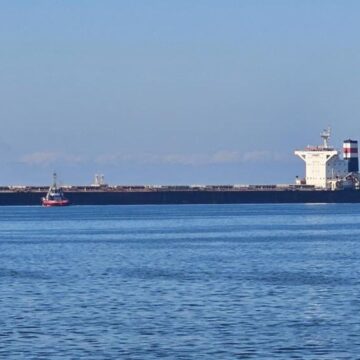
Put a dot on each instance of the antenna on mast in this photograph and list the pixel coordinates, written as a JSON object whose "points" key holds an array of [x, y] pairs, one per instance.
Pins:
{"points": [[54, 179], [325, 135]]}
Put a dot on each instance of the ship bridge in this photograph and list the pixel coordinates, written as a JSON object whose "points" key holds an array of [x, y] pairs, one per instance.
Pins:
{"points": [[323, 163]]}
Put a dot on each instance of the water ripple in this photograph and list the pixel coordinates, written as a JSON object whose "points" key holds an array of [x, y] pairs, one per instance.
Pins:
{"points": [[180, 282]]}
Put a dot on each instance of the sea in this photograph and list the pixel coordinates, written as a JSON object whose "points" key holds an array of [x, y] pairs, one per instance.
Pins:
{"points": [[180, 282]]}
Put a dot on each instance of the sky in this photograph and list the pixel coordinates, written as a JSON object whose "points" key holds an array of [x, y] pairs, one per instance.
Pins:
{"points": [[173, 91]]}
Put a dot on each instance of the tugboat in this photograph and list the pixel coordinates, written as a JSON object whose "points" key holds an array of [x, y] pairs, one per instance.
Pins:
{"points": [[54, 196]]}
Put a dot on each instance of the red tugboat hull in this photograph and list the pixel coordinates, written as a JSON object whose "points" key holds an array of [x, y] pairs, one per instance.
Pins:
{"points": [[49, 203]]}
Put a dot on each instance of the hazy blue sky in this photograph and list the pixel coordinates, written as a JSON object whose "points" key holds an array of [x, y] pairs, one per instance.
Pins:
{"points": [[173, 91]]}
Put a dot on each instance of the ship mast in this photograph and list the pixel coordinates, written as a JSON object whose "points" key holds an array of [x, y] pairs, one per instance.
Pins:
{"points": [[54, 180], [325, 135]]}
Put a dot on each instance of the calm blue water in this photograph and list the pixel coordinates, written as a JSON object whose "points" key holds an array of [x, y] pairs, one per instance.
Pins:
{"points": [[180, 282]]}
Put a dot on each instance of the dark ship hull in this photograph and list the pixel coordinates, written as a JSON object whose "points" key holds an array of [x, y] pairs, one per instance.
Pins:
{"points": [[163, 197]]}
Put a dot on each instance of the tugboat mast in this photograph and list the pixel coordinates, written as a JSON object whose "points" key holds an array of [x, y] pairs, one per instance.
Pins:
{"points": [[54, 180]]}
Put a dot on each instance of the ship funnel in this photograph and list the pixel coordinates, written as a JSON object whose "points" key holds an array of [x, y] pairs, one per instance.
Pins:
{"points": [[351, 155]]}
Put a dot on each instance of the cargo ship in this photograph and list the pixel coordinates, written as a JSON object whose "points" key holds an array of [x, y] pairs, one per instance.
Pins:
{"points": [[330, 177]]}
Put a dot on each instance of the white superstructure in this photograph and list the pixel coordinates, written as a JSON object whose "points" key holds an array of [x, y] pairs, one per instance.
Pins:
{"points": [[99, 180], [323, 163]]}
